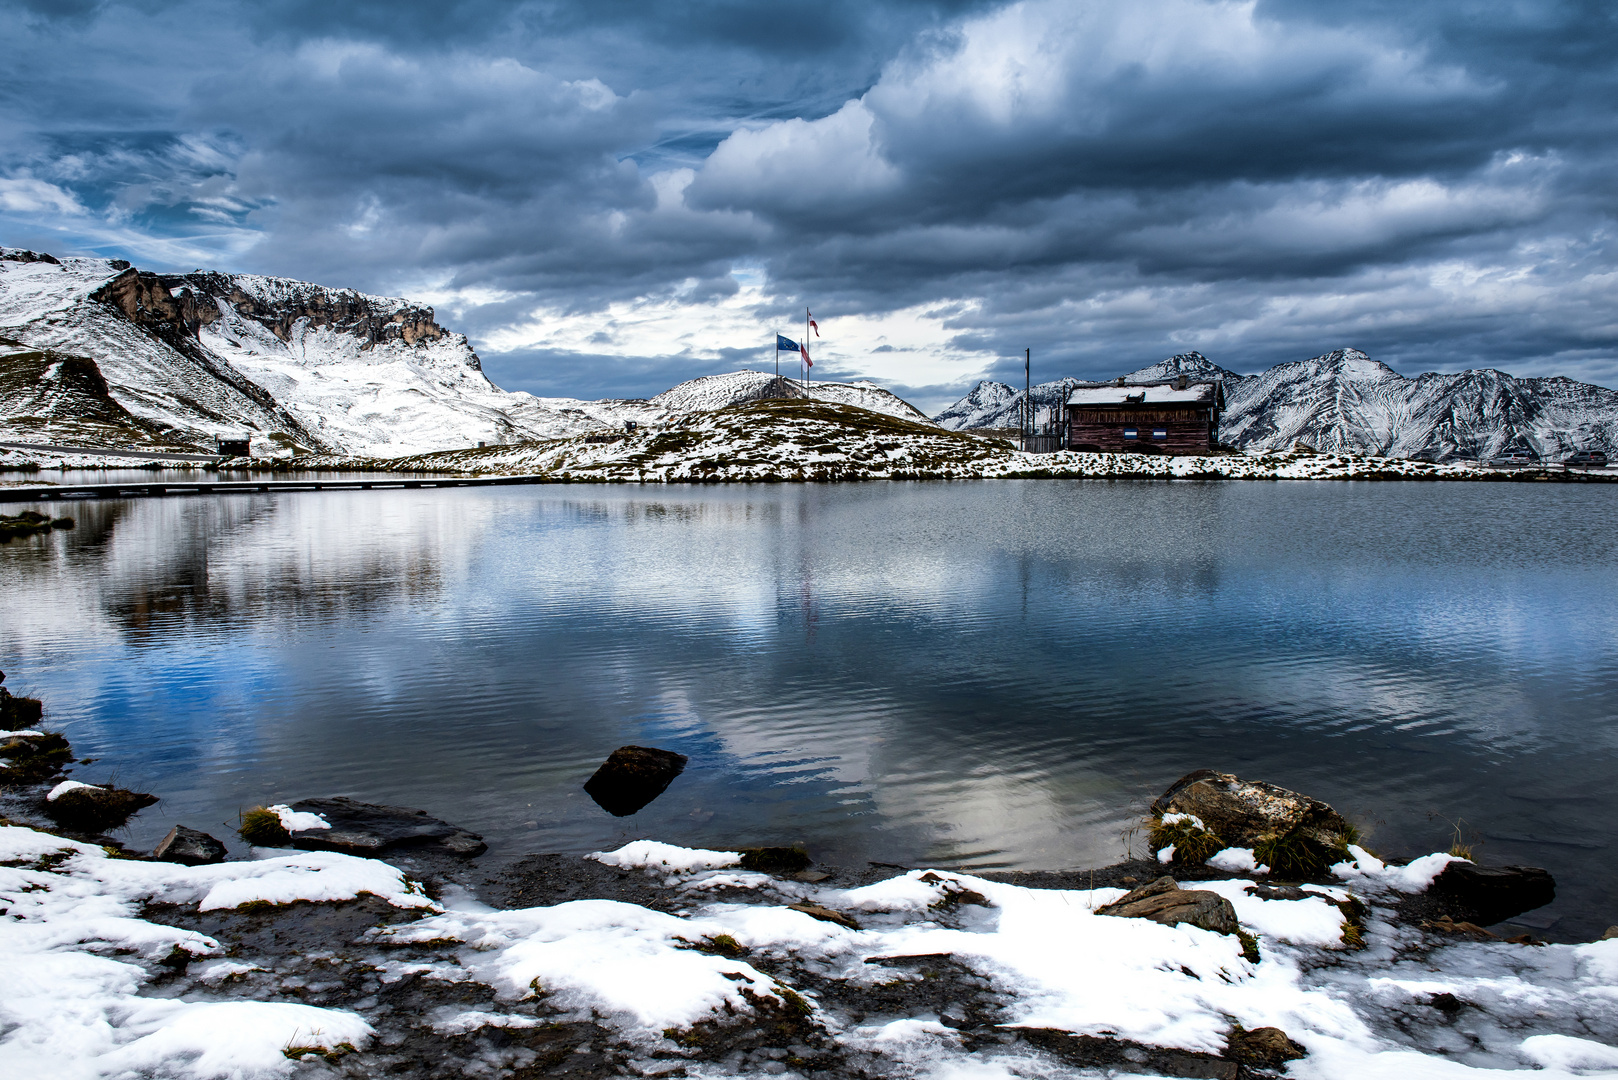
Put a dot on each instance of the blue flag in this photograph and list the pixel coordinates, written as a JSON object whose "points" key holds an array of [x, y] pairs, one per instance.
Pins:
{"points": [[785, 344]]}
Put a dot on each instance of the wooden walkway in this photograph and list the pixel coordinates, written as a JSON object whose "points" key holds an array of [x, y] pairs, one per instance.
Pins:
{"points": [[142, 490]]}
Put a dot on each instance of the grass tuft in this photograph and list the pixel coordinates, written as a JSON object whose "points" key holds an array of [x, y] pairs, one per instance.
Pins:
{"points": [[1191, 844], [262, 827]]}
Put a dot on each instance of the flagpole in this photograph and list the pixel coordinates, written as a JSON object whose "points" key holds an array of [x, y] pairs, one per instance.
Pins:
{"points": [[777, 336], [806, 371]]}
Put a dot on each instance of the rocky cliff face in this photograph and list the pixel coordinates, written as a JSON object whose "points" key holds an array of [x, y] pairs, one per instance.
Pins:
{"points": [[1346, 401]]}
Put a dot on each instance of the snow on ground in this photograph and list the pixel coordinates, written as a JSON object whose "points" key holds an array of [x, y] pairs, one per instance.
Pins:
{"points": [[76, 956], [797, 440], [79, 959]]}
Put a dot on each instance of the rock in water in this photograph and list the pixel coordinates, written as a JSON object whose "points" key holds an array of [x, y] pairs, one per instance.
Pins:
{"points": [[1164, 901], [189, 848], [633, 776], [86, 808], [367, 829], [1253, 814], [1486, 895]]}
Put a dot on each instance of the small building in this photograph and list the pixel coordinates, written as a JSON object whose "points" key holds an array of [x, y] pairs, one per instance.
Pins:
{"points": [[1175, 417], [234, 447]]}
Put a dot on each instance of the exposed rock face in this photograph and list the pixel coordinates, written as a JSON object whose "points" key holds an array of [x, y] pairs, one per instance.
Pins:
{"points": [[367, 829], [96, 809], [633, 776], [825, 914], [189, 848], [1165, 902], [1248, 814], [1485, 895]]}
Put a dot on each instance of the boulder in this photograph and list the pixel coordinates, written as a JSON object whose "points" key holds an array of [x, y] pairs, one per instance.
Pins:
{"points": [[1302, 833], [1165, 902], [631, 777], [188, 847], [367, 829], [91, 809], [1487, 895], [1265, 1048], [18, 712]]}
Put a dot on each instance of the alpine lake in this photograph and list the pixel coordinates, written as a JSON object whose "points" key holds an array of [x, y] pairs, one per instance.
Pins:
{"points": [[985, 674]]}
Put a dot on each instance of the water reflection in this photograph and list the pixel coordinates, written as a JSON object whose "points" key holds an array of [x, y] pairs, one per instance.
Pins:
{"points": [[983, 674]]}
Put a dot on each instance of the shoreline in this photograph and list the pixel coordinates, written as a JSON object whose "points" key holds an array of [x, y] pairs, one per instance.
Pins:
{"points": [[408, 958]]}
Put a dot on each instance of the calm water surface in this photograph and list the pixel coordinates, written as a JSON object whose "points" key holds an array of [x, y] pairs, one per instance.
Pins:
{"points": [[994, 674]]}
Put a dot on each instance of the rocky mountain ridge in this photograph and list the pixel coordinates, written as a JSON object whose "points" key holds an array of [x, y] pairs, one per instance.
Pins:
{"points": [[96, 352], [1345, 402]]}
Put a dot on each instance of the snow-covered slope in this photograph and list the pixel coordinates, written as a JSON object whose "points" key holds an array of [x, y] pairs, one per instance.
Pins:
{"points": [[1345, 401], [180, 359]]}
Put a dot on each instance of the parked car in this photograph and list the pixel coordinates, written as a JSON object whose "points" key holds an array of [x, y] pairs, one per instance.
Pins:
{"points": [[1589, 459], [1515, 457]]}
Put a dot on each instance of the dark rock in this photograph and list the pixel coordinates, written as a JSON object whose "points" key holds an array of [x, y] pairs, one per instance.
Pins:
{"points": [[1297, 831], [815, 911], [17, 713], [1164, 901], [189, 848], [95, 809], [1265, 1047], [1487, 895], [1445, 1003], [367, 829], [1121, 1056], [1278, 892], [774, 860], [631, 777]]}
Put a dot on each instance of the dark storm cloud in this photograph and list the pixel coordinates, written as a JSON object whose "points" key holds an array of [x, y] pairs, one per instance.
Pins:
{"points": [[1105, 183]]}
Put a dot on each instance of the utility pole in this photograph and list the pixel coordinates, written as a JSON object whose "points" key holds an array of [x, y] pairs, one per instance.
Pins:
{"points": [[1027, 395]]}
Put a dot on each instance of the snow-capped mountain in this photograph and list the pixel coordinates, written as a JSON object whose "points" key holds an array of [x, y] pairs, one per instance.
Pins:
{"points": [[100, 353], [1345, 401]]}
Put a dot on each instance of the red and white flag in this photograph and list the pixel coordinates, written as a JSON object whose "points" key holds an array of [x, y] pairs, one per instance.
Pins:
{"points": [[813, 323]]}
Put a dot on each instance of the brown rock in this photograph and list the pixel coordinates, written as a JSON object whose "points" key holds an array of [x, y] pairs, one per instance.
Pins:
{"points": [[1165, 902], [1265, 1047], [1243, 812], [1612, 932], [815, 911]]}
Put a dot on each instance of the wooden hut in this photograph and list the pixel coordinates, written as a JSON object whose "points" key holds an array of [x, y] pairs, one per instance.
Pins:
{"points": [[1176, 417]]}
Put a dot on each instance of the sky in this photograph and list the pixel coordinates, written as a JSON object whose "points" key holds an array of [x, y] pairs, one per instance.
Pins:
{"points": [[609, 197]]}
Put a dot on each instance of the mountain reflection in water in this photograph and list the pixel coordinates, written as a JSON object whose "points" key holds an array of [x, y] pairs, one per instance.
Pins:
{"points": [[982, 674]]}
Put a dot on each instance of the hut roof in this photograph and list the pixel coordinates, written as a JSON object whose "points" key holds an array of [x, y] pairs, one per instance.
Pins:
{"points": [[1159, 394]]}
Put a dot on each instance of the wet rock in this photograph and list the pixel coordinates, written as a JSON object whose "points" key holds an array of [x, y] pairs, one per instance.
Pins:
{"points": [[1487, 895], [368, 829], [774, 860], [1290, 832], [1165, 902], [188, 847], [1265, 1047], [631, 777], [86, 808], [18, 712], [815, 911], [1612, 932]]}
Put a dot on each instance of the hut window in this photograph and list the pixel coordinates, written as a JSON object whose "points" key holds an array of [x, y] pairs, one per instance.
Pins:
{"points": [[1131, 433], [1160, 433]]}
